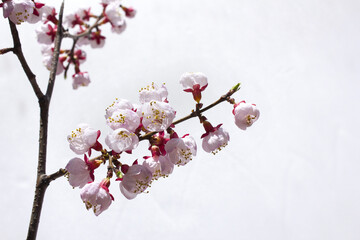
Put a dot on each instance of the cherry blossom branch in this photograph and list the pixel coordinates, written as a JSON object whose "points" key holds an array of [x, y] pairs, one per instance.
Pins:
{"points": [[58, 39], [6, 50], [61, 172], [17, 50], [87, 32], [196, 113], [44, 180]]}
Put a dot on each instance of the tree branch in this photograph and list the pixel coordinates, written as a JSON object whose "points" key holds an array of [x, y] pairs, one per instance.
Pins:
{"points": [[55, 59], [18, 52], [44, 180]]}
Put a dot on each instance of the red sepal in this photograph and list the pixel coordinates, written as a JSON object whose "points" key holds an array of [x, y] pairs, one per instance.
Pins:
{"points": [[124, 168]]}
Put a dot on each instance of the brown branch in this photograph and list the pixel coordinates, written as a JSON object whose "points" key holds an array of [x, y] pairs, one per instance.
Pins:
{"points": [[44, 180], [6, 50], [55, 59], [18, 52], [57, 174]]}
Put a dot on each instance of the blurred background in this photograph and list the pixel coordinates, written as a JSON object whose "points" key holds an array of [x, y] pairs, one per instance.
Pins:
{"points": [[293, 175]]}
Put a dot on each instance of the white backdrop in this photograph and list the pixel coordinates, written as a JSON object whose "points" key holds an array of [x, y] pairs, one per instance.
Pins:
{"points": [[293, 175]]}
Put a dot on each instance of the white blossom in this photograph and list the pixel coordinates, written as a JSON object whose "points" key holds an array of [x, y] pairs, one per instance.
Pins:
{"points": [[124, 118], [22, 9], [216, 140], [118, 104], [136, 180], [190, 80], [245, 114], [153, 93], [157, 116], [82, 139], [80, 79], [181, 150], [121, 140], [96, 195], [79, 173]]}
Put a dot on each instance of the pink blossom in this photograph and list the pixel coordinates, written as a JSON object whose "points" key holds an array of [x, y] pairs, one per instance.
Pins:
{"points": [[121, 140], [47, 52], [80, 79], [195, 83], [96, 195], [84, 138], [181, 150], [76, 18], [136, 180], [113, 15], [22, 9], [215, 138], [124, 118], [96, 39], [153, 93], [117, 105], [157, 116], [79, 172], [8, 7], [159, 167], [129, 11], [46, 33], [40, 12], [245, 114]]}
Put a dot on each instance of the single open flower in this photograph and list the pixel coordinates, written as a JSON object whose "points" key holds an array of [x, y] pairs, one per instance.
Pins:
{"points": [[124, 118], [121, 140], [194, 82], [157, 116], [245, 114], [83, 139], [181, 150], [96, 195], [136, 180], [215, 138], [153, 93], [80, 79]]}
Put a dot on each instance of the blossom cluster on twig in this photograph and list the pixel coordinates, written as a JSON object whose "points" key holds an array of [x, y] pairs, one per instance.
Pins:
{"points": [[151, 120], [82, 26]]}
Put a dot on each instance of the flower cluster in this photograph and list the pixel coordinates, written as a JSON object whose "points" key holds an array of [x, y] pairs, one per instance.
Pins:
{"points": [[19, 11], [152, 120], [82, 26]]}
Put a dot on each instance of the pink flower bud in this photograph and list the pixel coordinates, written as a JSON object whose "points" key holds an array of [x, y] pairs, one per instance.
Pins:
{"points": [[80, 79]]}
